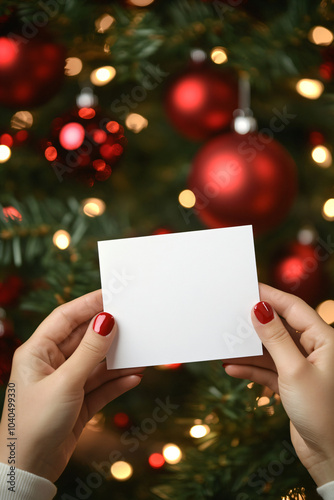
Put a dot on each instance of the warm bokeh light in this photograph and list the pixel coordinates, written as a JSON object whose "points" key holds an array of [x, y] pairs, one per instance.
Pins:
{"points": [[198, 55], [264, 400], [136, 122], [322, 156], [199, 431], [121, 470], [250, 385], [50, 153], [87, 113], [311, 89], [5, 153], [328, 209], [172, 453], [187, 198], [156, 460], [244, 124], [72, 135], [8, 52], [93, 207], [326, 311], [22, 119], [96, 423], [102, 76], [61, 239], [320, 35], [141, 3], [104, 22], [306, 235], [73, 66], [218, 55], [86, 98], [11, 213]]}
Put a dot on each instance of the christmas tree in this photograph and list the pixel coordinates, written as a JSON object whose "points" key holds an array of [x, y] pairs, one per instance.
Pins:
{"points": [[138, 117]]}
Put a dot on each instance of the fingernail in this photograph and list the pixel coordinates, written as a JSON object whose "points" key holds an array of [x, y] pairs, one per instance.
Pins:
{"points": [[224, 365], [264, 312], [103, 324]]}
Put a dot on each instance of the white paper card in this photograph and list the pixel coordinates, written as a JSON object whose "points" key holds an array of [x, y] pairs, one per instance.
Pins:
{"points": [[181, 297]]}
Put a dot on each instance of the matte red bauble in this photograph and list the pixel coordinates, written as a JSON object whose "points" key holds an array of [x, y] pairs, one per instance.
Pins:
{"points": [[243, 179], [201, 101], [299, 269], [31, 71]]}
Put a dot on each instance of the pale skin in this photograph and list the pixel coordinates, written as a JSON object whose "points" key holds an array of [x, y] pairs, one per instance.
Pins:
{"points": [[298, 364], [61, 381]]}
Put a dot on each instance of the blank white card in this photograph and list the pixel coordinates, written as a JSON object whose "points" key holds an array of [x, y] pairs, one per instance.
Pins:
{"points": [[181, 297]]}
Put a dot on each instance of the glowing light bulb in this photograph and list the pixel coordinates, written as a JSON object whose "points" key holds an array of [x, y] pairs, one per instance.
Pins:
{"points": [[141, 3], [72, 135], [320, 35], [50, 153], [73, 66], [121, 470], [5, 153], [8, 52], [93, 207], [102, 76], [199, 431], [244, 124], [136, 122], [61, 239], [218, 55], [322, 156], [311, 89], [264, 400], [104, 22], [22, 119], [328, 209], [156, 460], [187, 198], [326, 311], [172, 453]]}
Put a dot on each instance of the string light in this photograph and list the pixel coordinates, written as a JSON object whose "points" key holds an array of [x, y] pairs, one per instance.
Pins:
{"points": [[320, 36], [73, 66], [136, 122], [187, 198], [104, 22], [86, 98], [61, 239], [264, 400], [322, 156], [7, 140], [122, 471], [72, 135], [5, 153], [199, 431], [141, 3], [22, 119], [328, 209], [311, 89], [326, 311], [218, 55], [172, 453], [50, 153], [156, 460], [93, 207], [102, 76]]}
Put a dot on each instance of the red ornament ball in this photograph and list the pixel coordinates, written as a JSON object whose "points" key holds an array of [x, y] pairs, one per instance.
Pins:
{"points": [[201, 101], [85, 145], [299, 269], [31, 71], [243, 179], [10, 290]]}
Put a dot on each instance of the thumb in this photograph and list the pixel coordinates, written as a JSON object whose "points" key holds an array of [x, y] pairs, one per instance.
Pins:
{"points": [[92, 348], [276, 338]]}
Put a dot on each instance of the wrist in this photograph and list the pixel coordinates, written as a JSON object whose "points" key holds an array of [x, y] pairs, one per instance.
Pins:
{"points": [[322, 472]]}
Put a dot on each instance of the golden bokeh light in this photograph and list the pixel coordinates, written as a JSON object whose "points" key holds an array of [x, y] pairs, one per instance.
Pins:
{"points": [[264, 400], [328, 209], [326, 311], [172, 453], [22, 119], [141, 3], [61, 239], [322, 156], [199, 431], [102, 76], [136, 122], [311, 89], [187, 198], [320, 35], [218, 55], [104, 22], [73, 66], [5, 153], [93, 207], [122, 471]]}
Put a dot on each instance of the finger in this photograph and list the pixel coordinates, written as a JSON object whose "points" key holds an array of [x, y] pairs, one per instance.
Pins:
{"points": [[276, 339], [254, 373], [67, 317], [91, 350], [100, 397], [69, 345], [100, 375], [264, 361]]}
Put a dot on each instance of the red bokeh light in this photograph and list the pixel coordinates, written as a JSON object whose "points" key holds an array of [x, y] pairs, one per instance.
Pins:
{"points": [[72, 136], [173, 366], [156, 460], [112, 127], [50, 153], [22, 135], [316, 138], [121, 419], [189, 95], [99, 165], [12, 213], [6, 140], [86, 113], [8, 52], [99, 136]]}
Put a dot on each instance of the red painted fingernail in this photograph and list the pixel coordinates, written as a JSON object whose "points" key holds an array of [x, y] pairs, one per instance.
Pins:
{"points": [[103, 324], [264, 312], [224, 365]]}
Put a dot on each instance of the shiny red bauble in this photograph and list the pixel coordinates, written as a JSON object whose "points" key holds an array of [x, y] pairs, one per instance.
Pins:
{"points": [[31, 70], [200, 101], [243, 179], [299, 269]]}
